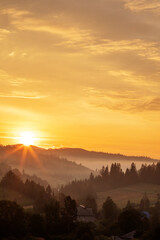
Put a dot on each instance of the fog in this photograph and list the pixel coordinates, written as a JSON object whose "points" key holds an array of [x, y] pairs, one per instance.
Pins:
{"points": [[97, 163]]}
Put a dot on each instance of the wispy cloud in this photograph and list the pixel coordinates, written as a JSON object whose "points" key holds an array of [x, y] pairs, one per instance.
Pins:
{"points": [[83, 39], [142, 5], [125, 101], [22, 95], [24, 21], [148, 50], [13, 87], [11, 80], [3, 33]]}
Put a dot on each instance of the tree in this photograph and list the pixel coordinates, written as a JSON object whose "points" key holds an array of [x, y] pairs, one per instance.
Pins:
{"points": [[90, 202], [85, 231], [12, 219], [49, 192], [116, 174], [69, 212], [109, 209], [133, 173], [128, 206], [12, 181], [52, 215], [129, 220], [91, 177], [145, 203], [36, 225]]}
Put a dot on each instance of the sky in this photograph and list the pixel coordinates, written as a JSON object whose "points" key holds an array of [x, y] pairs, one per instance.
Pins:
{"points": [[81, 74]]}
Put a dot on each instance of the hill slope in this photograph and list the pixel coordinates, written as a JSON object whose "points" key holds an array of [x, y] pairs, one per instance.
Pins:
{"points": [[41, 162], [82, 153], [134, 193], [95, 160]]}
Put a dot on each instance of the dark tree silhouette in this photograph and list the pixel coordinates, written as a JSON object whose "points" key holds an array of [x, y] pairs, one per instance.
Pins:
{"points": [[52, 215], [129, 220], [69, 212], [12, 219], [145, 203], [109, 209], [90, 202]]}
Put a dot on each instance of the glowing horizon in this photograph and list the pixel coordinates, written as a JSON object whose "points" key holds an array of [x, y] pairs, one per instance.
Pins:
{"points": [[27, 138]]}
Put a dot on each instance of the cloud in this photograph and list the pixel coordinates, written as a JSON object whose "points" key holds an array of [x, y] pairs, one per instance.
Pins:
{"points": [[143, 5], [125, 101], [22, 95], [103, 19], [87, 43], [8, 79], [152, 105], [11, 54], [148, 50], [80, 38], [3, 33], [13, 110], [24, 21], [13, 87], [94, 39]]}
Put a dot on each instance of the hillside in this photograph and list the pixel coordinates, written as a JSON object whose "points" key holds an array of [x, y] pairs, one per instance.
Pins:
{"points": [[56, 170], [82, 153], [134, 193], [95, 160], [60, 166]]}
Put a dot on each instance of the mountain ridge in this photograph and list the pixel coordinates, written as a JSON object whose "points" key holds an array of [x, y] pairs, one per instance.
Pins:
{"points": [[95, 154], [67, 151], [54, 169]]}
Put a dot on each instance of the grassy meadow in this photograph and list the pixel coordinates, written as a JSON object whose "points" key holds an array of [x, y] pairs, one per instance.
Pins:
{"points": [[134, 193]]}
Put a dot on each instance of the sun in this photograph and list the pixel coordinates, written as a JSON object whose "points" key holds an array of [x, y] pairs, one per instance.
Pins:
{"points": [[27, 138]]}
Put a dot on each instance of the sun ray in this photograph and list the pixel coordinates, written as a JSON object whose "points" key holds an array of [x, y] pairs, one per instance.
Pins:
{"points": [[23, 158], [27, 153], [34, 155]]}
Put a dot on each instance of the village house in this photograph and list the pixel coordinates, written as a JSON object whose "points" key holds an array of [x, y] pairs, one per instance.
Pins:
{"points": [[85, 214]]}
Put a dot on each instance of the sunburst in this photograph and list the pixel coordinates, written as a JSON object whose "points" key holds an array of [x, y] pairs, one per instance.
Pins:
{"points": [[27, 138]]}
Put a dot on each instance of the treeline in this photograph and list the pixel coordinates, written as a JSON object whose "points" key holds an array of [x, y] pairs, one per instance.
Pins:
{"points": [[4, 168], [113, 178], [39, 194]]}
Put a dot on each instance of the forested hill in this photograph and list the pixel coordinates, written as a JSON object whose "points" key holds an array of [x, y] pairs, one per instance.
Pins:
{"points": [[82, 153], [45, 164]]}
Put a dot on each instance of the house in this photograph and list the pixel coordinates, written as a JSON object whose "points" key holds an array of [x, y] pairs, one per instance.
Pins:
{"points": [[85, 214], [128, 236]]}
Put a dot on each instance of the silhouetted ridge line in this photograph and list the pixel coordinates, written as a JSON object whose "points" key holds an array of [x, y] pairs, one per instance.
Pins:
{"points": [[78, 152]]}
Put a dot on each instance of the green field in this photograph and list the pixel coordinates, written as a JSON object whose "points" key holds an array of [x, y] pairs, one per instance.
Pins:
{"points": [[134, 193], [6, 194]]}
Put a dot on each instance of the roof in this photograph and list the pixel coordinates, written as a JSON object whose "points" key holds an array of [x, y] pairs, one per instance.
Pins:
{"points": [[129, 235], [83, 211]]}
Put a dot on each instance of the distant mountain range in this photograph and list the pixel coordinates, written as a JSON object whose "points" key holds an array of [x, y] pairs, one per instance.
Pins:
{"points": [[82, 153], [59, 166]]}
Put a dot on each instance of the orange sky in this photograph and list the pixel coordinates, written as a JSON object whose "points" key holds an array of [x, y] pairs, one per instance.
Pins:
{"points": [[81, 74]]}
